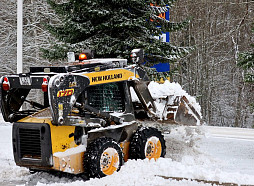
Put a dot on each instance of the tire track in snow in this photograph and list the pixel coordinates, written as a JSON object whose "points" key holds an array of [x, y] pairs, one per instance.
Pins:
{"points": [[201, 181]]}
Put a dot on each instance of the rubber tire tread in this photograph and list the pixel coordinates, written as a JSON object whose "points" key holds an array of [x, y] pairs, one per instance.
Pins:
{"points": [[93, 154], [139, 139]]}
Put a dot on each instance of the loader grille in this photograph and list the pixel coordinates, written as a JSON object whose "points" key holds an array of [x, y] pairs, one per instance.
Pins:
{"points": [[30, 143]]}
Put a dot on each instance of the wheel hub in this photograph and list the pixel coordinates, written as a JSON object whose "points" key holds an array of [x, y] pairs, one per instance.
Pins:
{"points": [[105, 159], [153, 148], [109, 161]]}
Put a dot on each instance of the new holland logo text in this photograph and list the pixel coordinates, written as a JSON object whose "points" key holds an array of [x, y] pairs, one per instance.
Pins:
{"points": [[67, 92], [107, 77]]}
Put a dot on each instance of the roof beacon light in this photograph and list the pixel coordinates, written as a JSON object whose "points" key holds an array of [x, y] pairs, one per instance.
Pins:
{"points": [[86, 54], [82, 57], [6, 84], [44, 85]]}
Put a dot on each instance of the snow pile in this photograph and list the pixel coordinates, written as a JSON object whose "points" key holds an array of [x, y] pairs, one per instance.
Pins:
{"points": [[173, 90], [162, 172], [183, 160], [169, 90], [183, 141], [159, 90]]}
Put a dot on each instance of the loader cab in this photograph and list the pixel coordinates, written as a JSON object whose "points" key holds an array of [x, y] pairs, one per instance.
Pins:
{"points": [[106, 97], [112, 98]]}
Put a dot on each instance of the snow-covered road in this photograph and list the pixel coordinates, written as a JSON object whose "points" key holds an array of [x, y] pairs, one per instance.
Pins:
{"points": [[202, 153], [235, 133], [234, 147]]}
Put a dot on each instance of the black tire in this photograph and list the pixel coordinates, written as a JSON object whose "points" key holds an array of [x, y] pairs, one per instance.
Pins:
{"points": [[98, 158], [147, 142]]}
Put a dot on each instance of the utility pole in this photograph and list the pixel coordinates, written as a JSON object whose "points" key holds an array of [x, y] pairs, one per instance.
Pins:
{"points": [[19, 36]]}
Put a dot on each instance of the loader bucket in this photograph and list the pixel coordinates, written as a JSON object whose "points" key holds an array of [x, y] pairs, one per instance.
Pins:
{"points": [[179, 110], [145, 97], [186, 114]]}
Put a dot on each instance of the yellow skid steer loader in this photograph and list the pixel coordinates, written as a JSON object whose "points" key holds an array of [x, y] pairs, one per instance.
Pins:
{"points": [[86, 122]]}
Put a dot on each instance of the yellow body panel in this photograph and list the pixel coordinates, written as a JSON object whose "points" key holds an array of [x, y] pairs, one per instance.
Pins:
{"points": [[60, 139], [125, 148], [110, 76], [70, 163]]}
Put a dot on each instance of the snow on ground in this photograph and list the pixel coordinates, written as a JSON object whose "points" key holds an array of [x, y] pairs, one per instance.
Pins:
{"points": [[194, 153], [233, 147]]}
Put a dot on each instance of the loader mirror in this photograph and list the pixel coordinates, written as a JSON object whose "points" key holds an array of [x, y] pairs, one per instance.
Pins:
{"points": [[137, 56]]}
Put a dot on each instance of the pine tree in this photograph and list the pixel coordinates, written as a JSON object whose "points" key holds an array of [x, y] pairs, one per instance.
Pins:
{"points": [[246, 61], [113, 28]]}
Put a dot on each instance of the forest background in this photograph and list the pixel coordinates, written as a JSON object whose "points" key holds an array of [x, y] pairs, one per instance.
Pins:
{"points": [[219, 30]]}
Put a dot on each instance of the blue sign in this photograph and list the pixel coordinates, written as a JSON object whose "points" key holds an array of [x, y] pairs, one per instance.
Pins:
{"points": [[164, 67]]}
